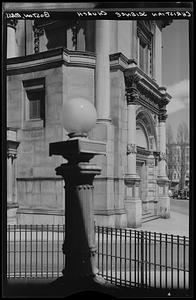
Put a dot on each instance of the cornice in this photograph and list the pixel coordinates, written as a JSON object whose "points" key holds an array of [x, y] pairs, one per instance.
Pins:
{"points": [[147, 87], [50, 59], [120, 61], [59, 56]]}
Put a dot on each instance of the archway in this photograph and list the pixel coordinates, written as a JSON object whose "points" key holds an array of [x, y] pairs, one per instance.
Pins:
{"points": [[146, 142]]}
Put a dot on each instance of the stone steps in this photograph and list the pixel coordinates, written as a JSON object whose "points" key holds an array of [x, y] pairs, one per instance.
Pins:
{"points": [[148, 216]]}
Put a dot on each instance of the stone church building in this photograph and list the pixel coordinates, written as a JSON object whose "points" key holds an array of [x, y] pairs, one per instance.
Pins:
{"points": [[115, 64]]}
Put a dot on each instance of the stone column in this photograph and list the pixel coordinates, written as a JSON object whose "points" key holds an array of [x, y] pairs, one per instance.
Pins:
{"points": [[12, 204], [12, 50], [102, 92], [133, 204], [162, 179], [104, 129]]}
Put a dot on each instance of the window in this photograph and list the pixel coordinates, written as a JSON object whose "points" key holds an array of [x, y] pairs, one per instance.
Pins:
{"points": [[144, 36], [34, 100]]}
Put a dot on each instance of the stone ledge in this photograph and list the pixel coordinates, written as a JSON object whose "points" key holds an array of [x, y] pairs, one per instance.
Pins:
{"points": [[38, 178], [40, 211]]}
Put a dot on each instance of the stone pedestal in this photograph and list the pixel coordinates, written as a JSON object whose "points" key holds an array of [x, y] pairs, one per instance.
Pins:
{"points": [[164, 199], [133, 205], [80, 270]]}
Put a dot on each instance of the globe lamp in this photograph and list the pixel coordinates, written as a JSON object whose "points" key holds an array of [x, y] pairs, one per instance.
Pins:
{"points": [[78, 117]]}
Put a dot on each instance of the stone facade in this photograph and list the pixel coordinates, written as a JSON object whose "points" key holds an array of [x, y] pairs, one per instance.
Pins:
{"points": [[127, 186]]}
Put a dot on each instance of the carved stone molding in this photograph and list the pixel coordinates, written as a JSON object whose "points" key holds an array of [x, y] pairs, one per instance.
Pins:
{"points": [[132, 80], [132, 95], [149, 101], [162, 114], [131, 148], [37, 33]]}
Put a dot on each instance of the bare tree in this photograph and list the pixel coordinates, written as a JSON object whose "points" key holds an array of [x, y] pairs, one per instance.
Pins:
{"points": [[170, 151], [182, 140]]}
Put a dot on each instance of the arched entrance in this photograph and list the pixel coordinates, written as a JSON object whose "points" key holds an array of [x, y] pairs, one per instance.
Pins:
{"points": [[146, 144]]}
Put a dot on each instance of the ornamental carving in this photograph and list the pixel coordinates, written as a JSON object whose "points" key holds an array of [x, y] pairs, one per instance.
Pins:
{"points": [[162, 114], [12, 23], [162, 156], [132, 95], [11, 155], [149, 101], [75, 28], [132, 80], [131, 148], [37, 33]]}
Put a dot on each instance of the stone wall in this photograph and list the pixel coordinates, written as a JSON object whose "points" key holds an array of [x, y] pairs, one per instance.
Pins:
{"points": [[34, 165]]}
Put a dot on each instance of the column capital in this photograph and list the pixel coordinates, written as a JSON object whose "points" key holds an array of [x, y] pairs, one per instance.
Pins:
{"points": [[12, 23], [162, 114], [132, 95], [11, 155], [131, 148], [162, 156]]}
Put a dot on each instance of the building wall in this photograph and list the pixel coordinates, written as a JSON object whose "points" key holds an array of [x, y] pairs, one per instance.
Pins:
{"points": [[34, 166], [40, 191]]}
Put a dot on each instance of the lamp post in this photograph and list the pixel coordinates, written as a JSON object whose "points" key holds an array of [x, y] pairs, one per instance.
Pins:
{"points": [[80, 272]]}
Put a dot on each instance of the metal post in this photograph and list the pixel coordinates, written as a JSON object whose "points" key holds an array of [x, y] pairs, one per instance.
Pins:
{"points": [[142, 258], [80, 270]]}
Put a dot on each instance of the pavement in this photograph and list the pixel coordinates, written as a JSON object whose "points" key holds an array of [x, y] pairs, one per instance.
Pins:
{"points": [[177, 224]]}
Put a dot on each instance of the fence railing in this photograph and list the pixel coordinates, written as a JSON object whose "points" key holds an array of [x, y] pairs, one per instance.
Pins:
{"points": [[125, 257]]}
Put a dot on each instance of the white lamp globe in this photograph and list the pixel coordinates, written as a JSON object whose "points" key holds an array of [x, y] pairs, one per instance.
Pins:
{"points": [[78, 116]]}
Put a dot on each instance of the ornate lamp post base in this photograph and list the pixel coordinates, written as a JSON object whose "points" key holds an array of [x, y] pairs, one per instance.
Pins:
{"points": [[64, 286], [80, 272]]}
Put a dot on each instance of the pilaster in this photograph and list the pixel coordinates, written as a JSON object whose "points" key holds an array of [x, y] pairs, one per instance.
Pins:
{"points": [[162, 179], [133, 204]]}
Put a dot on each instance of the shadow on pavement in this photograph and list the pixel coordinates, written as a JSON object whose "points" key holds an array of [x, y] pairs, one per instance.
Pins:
{"points": [[18, 288]]}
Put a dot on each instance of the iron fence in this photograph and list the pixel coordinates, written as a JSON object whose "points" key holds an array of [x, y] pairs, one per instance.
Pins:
{"points": [[125, 257]]}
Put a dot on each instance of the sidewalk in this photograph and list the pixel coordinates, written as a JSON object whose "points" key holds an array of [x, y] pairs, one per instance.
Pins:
{"points": [[177, 224]]}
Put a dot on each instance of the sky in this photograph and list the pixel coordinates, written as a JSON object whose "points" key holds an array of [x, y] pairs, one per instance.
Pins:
{"points": [[175, 76]]}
